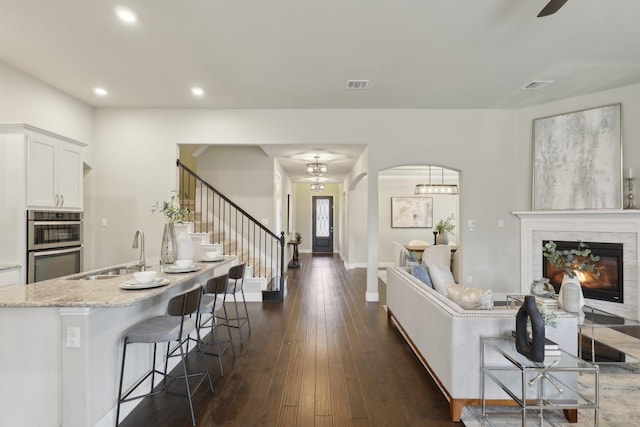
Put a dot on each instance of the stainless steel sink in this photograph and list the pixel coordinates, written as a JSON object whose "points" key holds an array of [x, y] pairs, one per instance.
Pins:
{"points": [[108, 273]]}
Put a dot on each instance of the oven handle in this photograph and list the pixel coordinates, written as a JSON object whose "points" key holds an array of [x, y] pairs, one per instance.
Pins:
{"points": [[57, 251], [56, 222]]}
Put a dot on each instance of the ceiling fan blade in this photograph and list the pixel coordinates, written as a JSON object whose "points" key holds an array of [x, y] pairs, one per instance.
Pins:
{"points": [[552, 7]]}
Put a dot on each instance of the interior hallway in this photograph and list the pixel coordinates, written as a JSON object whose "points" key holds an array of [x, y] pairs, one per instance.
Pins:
{"points": [[324, 357]]}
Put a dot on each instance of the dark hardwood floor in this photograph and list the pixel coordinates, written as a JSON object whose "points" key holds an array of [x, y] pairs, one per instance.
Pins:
{"points": [[324, 357]]}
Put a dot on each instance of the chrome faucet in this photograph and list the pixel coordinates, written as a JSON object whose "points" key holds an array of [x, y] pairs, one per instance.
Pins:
{"points": [[142, 263]]}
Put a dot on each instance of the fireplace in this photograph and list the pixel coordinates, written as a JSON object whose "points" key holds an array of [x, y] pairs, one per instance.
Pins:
{"points": [[608, 285]]}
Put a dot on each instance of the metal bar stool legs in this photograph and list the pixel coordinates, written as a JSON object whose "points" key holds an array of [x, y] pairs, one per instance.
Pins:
{"points": [[236, 273], [175, 326], [211, 304]]}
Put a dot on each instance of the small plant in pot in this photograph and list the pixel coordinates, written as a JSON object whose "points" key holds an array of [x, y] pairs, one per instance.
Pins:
{"points": [[444, 227], [298, 237]]}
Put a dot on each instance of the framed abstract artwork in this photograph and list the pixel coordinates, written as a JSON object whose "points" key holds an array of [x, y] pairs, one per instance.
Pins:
{"points": [[577, 160], [411, 212]]}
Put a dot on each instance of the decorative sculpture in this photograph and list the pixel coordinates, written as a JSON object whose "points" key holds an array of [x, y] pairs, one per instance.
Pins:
{"points": [[532, 348]]}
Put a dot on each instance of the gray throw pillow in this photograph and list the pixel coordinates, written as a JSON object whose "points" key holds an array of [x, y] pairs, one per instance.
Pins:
{"points": [[421, 273]]}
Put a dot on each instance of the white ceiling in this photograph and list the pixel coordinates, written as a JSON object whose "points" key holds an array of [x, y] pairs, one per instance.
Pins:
{"points": [[300, 54]]}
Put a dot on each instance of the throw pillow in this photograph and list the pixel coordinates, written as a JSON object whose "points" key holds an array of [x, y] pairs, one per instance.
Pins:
{"points": [[470, 298], [440, 276], [420, 272]]}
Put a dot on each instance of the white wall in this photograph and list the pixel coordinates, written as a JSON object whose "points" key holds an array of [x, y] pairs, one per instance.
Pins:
{"points": [[244, 174], [26, 100], [124, 191]]}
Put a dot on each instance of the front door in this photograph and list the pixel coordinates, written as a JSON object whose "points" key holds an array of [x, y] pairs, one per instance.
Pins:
{"points": [[322, 224]]}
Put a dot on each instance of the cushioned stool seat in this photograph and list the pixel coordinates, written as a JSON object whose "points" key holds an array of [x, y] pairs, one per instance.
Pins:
{"points": [[175, 326]]}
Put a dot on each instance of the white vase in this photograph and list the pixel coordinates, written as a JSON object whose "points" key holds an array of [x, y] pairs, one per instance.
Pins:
{"points": [[570, 296], [442, 238]]}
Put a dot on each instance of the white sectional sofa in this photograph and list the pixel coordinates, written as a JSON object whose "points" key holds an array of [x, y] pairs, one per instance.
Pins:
{"points": [[446, 338]]}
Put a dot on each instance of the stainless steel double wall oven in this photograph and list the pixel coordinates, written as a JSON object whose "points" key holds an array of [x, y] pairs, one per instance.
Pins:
{"points": [[54, 244]]}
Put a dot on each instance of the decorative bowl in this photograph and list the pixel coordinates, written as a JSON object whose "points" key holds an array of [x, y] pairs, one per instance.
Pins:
{"points": [[184, 263], [145, 276]]}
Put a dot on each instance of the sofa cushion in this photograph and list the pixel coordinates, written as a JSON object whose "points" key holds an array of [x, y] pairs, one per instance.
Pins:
{"points": [[440, 276], [470, 298], [421, 273]]}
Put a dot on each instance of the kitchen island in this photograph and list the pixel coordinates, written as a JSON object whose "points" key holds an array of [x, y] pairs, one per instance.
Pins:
{"points": [[52, 379]]}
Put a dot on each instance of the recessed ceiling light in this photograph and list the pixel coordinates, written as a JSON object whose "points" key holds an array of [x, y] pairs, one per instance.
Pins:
{"points": [[197, 91], [100, 91], [126, 15]]}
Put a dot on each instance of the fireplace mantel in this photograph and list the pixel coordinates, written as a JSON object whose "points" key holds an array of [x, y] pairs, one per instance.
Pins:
{"points": [[615, 226]]}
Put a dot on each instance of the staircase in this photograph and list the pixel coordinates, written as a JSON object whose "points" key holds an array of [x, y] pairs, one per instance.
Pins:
{"points": [[238, 232]]}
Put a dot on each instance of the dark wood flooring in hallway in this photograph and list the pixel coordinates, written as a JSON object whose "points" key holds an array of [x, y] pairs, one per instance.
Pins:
{"points": [[324, 357]]}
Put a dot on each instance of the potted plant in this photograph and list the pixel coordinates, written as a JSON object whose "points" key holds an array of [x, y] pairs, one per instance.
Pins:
{"points": [[570, 262], [298, 237], [444, 227]]}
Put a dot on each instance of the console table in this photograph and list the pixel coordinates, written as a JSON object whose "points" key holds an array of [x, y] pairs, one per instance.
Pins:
{"points": [[295, 261], [535, 386]]}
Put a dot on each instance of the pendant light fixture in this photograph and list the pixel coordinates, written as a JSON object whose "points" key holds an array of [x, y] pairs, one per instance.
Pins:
{"points": [[317, 169], [317, 186], [436, 188]]}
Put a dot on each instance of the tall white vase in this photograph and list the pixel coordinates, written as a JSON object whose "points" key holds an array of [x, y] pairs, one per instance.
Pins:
{"points": [[570, 296]]}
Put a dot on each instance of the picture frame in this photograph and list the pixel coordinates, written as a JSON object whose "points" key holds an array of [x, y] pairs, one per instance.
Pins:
{"points": [[411, 212], [577, 160]]}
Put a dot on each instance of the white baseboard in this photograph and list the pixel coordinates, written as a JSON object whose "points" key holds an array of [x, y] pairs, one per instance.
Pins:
{"points": [[351, 266], [372, 297]]}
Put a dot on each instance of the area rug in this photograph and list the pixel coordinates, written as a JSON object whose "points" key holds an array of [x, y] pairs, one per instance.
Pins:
{"points": [[619, 397]]}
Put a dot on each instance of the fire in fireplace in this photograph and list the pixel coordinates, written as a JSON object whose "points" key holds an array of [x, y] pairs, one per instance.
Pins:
{"points": [[608, 286]]}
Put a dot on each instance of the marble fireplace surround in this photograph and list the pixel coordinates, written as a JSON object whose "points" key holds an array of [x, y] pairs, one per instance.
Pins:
{"points": [[609, 226]]}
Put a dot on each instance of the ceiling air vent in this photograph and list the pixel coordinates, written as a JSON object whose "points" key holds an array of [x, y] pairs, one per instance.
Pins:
{"points": [[537, 84], [357, 84]]}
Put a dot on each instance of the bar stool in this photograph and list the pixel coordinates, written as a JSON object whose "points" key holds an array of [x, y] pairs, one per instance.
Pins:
{"points": [[175, 326], [212, 303], [236, 282]]}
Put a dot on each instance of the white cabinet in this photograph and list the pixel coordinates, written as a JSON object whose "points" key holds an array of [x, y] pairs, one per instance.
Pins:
{"points": [[54, 173], [9, 277]]}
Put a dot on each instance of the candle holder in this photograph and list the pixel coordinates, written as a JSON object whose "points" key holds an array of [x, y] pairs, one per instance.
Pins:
{"points": [[630, 196]]}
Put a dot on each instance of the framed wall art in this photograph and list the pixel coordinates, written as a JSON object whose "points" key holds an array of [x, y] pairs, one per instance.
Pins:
{"points": [[577, 160], [411, 212]]}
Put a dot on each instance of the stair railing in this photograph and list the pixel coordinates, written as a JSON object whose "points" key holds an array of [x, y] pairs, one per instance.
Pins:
{"points": [[239, 233]]}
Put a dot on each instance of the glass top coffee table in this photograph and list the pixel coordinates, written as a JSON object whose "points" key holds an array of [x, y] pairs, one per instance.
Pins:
{"points": [[607, 338]]}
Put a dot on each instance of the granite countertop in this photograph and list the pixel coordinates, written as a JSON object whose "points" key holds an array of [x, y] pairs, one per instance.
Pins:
{"points": [[9, 266], [65, 292]]}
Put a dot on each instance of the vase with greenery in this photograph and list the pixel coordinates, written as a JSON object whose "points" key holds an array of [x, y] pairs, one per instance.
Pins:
{"points": [[571, 262], [173, 213], [298, 237], [444, 227]]}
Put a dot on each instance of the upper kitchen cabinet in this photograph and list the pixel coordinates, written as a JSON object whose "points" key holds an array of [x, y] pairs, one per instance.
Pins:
{"points": [[54, 173]]}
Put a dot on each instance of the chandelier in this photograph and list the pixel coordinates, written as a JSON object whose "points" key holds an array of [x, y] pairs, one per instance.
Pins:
{"points": [[317, 169], [317, 186], [436, 188]]}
